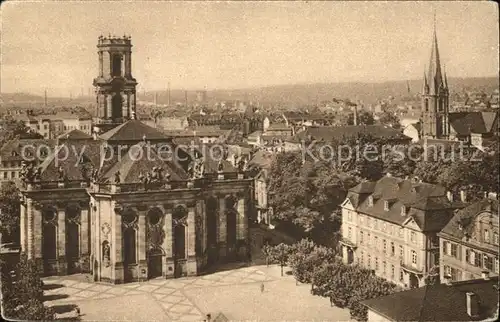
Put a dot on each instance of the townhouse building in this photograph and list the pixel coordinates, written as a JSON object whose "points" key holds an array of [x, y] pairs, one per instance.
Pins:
{"points": [[391, 227], [469, 242]]}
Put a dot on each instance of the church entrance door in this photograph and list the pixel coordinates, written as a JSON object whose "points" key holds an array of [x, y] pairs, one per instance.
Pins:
{"points": [[155, 258]]}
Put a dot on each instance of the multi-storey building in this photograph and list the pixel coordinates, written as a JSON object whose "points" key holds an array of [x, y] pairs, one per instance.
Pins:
{"points": [[469, 242], [50, 126], [14, 152], [391, 226]]}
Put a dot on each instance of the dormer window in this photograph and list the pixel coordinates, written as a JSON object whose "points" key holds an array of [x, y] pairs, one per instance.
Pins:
{"points": [[403, 211], [386, 205], [370, 201]]}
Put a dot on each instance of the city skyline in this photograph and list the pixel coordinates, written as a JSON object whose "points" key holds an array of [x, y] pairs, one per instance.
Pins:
{"points": [[244, 45]]}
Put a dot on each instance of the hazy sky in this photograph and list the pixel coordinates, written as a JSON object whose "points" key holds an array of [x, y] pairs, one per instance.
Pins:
{"points": [[235, 45]]}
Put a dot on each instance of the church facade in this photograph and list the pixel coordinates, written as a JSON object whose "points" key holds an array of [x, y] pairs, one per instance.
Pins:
{"points": [[131, 204], [438, 122]]}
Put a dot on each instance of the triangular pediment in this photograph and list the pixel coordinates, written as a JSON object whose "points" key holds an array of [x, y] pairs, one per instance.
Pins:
{"points": [[347, 204], [412, 224]]}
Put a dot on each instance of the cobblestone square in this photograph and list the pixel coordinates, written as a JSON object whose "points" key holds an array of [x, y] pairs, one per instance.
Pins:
{"points": [[235, 293]]}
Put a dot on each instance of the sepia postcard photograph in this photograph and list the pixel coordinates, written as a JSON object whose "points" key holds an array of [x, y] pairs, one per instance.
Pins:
{"points": [[263, 161]]}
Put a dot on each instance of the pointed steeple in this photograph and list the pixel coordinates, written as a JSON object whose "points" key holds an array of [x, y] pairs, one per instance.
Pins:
{"points": [[445, 78], [434, 76], [425, 86]]}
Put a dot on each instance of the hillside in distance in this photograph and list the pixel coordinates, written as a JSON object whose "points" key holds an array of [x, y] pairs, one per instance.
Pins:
{"points": [[283, 95], [307, 94]]}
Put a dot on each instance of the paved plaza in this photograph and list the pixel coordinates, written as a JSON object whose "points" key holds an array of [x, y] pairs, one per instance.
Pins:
{"points": [[236, 293]]}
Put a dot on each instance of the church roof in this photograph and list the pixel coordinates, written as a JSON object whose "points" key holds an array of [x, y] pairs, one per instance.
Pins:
{"points": [[140, 160], [133, 130], [465, 123]]}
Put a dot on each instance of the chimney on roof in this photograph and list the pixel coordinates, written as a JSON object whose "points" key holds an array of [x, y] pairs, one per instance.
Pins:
{"points": [[449, 194], [447, 279], [485, 275], [472, 304], [463, 195]]}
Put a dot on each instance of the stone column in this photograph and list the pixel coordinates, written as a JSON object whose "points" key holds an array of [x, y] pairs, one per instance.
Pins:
{"points": [[84, 239], [191, 232], [29, 231], [128, 63], [125, 105], [100, 64], [37, 230], [116, 248], [122, 65], [240, 220], [61, 241], [168, 270], [222, 227], [142, 237], [132, 103], [109, 106], [23, 235], [110, 63]]}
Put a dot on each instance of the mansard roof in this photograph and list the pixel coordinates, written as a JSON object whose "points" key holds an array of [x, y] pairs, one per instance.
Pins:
{"points": [[426, 203]]}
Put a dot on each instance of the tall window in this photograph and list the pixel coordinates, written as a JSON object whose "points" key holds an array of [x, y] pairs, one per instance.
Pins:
{"points": [[349, 215], [370, 201], [413, 237], [488, 262], [369, 261], [386, 205], [361, 237], [401, 275], [392, 271], [393, 249], [401, 251], [117, 65], [362, 259], [369, 238], [454, 250], [385, 246], [129, 238], [414, 257], [495, 238], [496, 265], [384, 267], [486, 236], [349, 232], [376, 263], [376, 241]]}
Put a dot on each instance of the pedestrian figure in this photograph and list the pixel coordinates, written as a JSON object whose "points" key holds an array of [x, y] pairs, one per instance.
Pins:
{"points": [[262, 287]]}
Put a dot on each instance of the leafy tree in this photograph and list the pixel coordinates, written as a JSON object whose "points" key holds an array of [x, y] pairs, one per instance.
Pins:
{"points": [[364, 118], [23, 295], [279, 254], [390, 119], [470, 170], [10, 204]]}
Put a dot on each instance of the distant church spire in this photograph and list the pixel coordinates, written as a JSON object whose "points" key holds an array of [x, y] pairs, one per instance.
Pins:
{"points": [[434, 75]]}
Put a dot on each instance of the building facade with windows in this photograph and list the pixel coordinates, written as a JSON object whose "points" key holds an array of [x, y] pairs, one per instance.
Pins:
{"points": [[391, 226], [469, 242]]}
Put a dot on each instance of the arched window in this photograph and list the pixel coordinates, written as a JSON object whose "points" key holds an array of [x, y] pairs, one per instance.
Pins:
{"points": [[129, 230], [117, 65], [49, 243], [179, 218]]}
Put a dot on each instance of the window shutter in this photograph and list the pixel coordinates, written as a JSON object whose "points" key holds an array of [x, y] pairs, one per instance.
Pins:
{"points": [[459, 252]]}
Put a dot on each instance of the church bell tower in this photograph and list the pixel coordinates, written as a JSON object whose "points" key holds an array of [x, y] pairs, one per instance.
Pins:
{"points": [[115, 86], [435, 105]]}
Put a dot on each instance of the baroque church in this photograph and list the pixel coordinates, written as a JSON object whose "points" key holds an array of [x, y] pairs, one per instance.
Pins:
{"points": [[437, 122], [114, 206]]}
